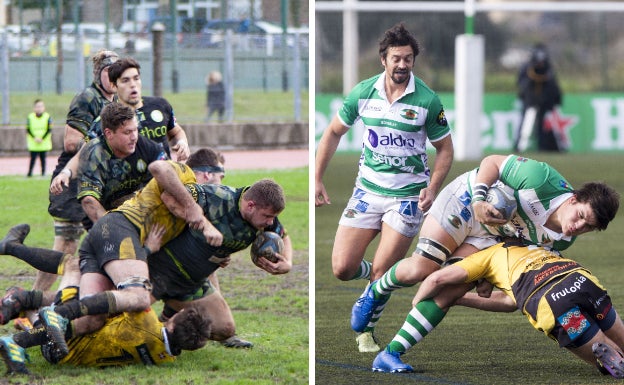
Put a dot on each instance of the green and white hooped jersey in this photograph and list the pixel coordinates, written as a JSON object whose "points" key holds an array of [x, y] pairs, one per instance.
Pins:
{"points": [[394, 161], [539, 190]]}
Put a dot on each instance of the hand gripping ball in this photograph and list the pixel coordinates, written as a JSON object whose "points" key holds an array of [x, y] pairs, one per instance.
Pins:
{"points": [[501, 197], [266, 244]]}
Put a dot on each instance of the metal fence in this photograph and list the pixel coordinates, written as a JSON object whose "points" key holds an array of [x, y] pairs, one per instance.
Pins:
{"points": [[258, 61]]}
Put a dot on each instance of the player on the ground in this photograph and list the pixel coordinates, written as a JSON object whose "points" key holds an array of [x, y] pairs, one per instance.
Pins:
{"points": [[394, 185], [558, 296], [128, 338], [550, 213], [118, 260]]}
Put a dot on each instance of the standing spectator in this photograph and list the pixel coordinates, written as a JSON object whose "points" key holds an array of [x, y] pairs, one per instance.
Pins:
{"points": [[215, 95], [38, 135], [539, 93]]}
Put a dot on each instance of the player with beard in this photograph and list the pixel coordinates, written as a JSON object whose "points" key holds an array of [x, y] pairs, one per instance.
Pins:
{"points": [[395, 185], [156, 118]]}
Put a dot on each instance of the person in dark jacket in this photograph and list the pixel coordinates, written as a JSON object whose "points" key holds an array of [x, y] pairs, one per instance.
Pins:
{"points": [[539, 93]]}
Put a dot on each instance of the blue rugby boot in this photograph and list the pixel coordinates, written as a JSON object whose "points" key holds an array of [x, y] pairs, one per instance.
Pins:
{"points": [[390, 362], [13, 355], [364, 307]]}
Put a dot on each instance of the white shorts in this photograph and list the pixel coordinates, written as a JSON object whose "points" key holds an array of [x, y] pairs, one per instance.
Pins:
{"points": [[453, 211], [367, 211]]}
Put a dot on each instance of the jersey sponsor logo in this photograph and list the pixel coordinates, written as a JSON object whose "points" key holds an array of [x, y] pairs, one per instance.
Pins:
{"points": [[125, 356], [153, 133], [359, 193], [395, 161], [573, 288], [574, 322], [362, 206], [391, 140], [157, 116], [442, 118], [144, 354], [409, 114], [408, 208], [372, 107], [465, 198], [548, 272], [465, 214]]}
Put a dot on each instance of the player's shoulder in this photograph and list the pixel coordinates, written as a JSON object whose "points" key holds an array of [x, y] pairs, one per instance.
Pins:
{"points": [[155, 102]]}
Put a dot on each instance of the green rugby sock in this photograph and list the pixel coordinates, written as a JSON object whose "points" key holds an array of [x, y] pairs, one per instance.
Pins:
{"points": [[388, 283], [363, 271], [420, 321]]}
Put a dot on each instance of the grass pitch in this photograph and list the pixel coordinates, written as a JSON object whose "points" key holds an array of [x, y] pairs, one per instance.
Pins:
{"points": [[271, 311], [469, 346]]}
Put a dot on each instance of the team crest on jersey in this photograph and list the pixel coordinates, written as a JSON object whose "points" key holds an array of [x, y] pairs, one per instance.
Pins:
{"points": [[574, 322], [442, 118], [141, 166], [157, 116], [349, 213], [409, 114], [565, 185], [454, 221]]}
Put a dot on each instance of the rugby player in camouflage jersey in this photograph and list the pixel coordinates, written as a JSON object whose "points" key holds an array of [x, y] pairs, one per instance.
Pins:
{"points": [[155, 115], [113, 166], [394, 185]]}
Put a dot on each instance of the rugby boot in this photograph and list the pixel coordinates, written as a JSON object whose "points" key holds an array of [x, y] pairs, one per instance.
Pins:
{"points": [[13, 355], [10, 306], [390, 362], [609, 358], [16, 234], [364, 307], [22, 324], [55, 326], [236, 342], [367, 343]]}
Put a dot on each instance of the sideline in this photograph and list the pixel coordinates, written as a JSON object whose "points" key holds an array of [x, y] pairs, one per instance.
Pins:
{"points": [[234, 160]]}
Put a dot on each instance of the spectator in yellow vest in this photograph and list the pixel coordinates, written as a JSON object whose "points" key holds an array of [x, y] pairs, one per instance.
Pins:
{"points": [[38, 135]]}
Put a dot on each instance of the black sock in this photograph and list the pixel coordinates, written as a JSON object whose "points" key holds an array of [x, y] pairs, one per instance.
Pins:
{"points": [[45, 260], [32, 337], [30, 299], [100, 303]]}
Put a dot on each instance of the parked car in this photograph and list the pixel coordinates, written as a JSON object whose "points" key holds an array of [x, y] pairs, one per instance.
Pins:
{"points": [[246, 33]]}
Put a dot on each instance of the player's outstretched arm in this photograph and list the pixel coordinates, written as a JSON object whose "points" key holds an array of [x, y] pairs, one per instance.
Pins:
{"points": [[498, 302]]}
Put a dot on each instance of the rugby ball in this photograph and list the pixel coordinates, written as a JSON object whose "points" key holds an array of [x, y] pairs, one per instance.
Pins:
{"points": [[266, 244], [502, 198]]}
